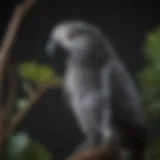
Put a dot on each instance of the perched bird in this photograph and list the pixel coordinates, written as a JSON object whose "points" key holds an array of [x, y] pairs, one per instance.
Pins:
{"points": [[100, 89]]}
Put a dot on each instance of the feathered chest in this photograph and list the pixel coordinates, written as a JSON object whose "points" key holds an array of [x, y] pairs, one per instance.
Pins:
{"points": [[79, 80]]}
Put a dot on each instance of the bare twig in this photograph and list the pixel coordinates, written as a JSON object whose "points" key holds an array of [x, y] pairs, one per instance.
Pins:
{"points": [[10, 36], [7, 43], [21, 114], [5, 49], [33, 99]]}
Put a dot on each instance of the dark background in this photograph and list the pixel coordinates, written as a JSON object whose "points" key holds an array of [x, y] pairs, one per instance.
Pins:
{"points": [[126, 22]]}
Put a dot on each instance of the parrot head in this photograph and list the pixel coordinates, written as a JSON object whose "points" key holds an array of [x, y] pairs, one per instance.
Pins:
{"points": [[75, 37]]}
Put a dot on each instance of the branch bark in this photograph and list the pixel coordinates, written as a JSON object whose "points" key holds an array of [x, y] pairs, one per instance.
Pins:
{"points": [[7, 43], [5, 131]]}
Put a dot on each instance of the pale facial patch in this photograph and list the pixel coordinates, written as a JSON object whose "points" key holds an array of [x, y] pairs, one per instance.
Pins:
{"points": [[61, 34]]}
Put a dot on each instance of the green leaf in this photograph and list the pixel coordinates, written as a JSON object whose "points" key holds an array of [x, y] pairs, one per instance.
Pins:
{"points": [[155, 150], [36, 151], [21, 147], [149, 77], [28, 70], [150, 90], [22, 103], [152, 45], [18, 142], [26, 87], [37, 73]]}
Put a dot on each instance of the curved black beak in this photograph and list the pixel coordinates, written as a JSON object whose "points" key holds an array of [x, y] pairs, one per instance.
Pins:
{"points": [[54, 48]]}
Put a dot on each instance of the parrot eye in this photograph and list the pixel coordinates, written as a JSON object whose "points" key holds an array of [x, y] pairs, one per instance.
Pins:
{"points": [[74, 33]]}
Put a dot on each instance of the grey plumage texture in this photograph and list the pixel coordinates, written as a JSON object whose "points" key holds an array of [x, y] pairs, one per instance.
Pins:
{"points": [[103, 95]]}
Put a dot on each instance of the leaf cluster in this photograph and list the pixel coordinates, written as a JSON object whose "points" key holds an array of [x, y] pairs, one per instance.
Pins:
{"points": [[150, 90], [37, 73]]}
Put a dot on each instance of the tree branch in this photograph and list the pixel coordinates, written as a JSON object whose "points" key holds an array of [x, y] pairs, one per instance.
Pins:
{"points": [[10, 36], [7, 43]]}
